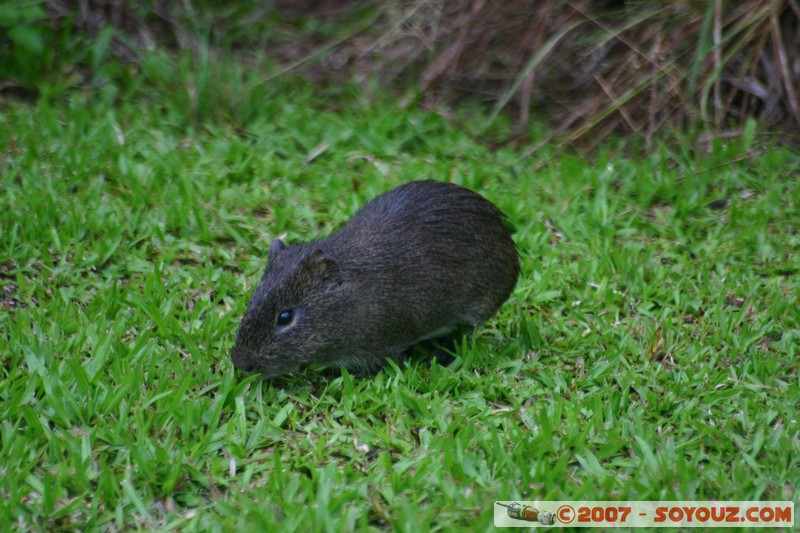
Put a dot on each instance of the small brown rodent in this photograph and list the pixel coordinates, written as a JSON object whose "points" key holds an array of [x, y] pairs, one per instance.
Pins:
{"points": [[413, 264]]}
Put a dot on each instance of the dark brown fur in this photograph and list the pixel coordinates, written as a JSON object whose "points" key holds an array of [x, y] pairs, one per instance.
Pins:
{"points": [[413, 264]]}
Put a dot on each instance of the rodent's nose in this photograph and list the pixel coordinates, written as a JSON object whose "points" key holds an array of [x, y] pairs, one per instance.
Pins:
{"points": [[244, 367], [241, 361]]}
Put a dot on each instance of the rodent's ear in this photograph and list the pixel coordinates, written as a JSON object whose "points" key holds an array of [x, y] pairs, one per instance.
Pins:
{"points": [[321, 265], [276, 246]]}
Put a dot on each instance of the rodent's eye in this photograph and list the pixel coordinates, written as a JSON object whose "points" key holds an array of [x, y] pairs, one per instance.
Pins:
{"points": [[285, 317]]}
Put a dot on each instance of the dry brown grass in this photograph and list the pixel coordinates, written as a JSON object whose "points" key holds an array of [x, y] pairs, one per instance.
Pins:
{"points": [[589, 67], [593, 67]]}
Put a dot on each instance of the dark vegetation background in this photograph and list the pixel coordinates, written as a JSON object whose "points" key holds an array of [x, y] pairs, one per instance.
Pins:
{"points": [[583, 68]]}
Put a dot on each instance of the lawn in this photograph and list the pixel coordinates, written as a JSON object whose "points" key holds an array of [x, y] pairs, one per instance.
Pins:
{"points": [[649, 351]]}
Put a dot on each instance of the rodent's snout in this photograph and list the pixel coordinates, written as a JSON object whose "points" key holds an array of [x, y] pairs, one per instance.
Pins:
{"points": [[244, 367], [250, 361], [241, 361]]}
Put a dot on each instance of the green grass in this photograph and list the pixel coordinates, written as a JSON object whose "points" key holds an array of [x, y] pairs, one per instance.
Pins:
{"points": [[650, 350]]}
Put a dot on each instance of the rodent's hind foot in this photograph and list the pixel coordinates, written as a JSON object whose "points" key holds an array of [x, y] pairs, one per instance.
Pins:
{"points": [[362, 369], [442, 357], [443, 349]]}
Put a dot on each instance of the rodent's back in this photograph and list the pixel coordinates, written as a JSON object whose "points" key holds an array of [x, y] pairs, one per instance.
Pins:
{"points": [[432, 245]]}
